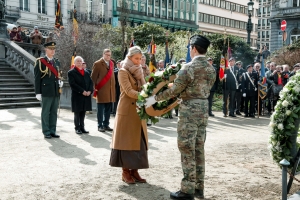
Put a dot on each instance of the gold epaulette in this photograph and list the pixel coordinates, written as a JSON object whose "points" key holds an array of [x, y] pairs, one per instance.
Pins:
{"points": [[44, 72]]}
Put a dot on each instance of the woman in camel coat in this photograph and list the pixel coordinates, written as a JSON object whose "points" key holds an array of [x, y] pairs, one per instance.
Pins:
{"points": [[130, 140]]}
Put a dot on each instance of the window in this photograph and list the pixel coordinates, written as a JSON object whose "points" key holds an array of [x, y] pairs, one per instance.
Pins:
{"points": [[267, 34], [187, 16], [89, 9], [201, 17], [206, 2], [217, 20], [222, 21], [218, 3], [206, 18], [227, 22], [242, 10], [212, 19], [232, 23], [233, 6], [268, 22], [222, 4], [201, 1], [238, 8], [187, 7], [263, 34], [42, 6], [212, 2], [24, 5], [228, 5], [296, 3]]}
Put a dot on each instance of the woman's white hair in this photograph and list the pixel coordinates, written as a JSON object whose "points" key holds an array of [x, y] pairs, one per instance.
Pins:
{"points": [[78, 57], [134, 50]]}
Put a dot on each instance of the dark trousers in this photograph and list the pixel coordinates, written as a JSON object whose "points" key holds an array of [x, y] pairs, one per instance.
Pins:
{"points": [[242, 109], [238, 99], [231, 95], [49, 114], [250, 99], [210, 100], [103, 111], [79, 120]]}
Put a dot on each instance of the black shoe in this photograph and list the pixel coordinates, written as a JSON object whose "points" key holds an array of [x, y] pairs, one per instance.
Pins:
{"points": [[149, 124], [108, 128], [54, 135], [199, 194], [170, 117], [78, 132], [210, 114], [48, 136], [84, 131], [252, 116], [246, 115], [181, 195], [232, 115], [238, 113], [101, 129]]}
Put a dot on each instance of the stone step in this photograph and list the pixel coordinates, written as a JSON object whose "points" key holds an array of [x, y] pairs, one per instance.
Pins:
{"points": [[16, 94], [17, 99], [2, 72], [19, 105], [7, 76], [17, 89], [18, 80], [13, 84], [10, 69]]}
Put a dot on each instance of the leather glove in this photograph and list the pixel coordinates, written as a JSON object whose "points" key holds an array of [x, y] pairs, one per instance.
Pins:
{"points": [[38, 97], [150, 101], [244, 94], [60, 83]]}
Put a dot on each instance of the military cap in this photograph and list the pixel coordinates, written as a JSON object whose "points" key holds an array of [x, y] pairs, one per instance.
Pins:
{"points": [[209, 59], [297, 65], [50, 44], [238, 62], [231, 58], [268, 62], [118, 61], [248, 66], [200, 40]]}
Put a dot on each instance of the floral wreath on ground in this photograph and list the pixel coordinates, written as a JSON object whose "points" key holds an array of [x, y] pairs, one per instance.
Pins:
{"points": [[147, 89], [282, 124]]}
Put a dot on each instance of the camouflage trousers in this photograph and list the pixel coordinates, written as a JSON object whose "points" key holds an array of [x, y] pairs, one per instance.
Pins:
{"points": [[191, 128]]}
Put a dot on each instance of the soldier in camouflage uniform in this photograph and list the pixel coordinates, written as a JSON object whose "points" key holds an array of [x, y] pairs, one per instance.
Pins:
{"points": [[192, 84]]}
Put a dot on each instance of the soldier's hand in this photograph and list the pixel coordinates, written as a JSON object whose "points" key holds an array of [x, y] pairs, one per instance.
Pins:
{"points": [[38, 97], [60, 83], [244, 95], [150, 101]]}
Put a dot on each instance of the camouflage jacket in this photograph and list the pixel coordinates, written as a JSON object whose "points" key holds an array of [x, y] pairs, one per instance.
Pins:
{"points": [[193, 81]]}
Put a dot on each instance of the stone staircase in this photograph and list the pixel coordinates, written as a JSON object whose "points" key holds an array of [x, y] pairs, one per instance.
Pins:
{"points": [[15, 90]]}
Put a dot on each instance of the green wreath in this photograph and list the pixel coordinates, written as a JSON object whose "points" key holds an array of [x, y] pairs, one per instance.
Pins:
{"points": [[284, 123]]}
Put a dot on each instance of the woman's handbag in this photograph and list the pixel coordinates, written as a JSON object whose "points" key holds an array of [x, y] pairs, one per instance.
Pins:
{"points": [[277, 89]]}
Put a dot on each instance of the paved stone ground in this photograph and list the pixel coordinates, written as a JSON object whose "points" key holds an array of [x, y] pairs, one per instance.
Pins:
{"points": [[238, 164]]}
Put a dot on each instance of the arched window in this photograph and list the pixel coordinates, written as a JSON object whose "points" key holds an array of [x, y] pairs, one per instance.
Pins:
{"points": [[295, 35]]}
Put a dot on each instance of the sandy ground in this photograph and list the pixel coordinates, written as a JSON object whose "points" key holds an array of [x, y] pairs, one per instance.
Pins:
{"points": [[238, 163]]}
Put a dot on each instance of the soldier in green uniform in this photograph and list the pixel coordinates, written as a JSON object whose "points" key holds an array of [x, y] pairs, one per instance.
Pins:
{"points": [[47, 87], [192, 84]]}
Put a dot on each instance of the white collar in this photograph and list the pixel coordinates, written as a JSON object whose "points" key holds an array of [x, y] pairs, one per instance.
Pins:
{"points": [[49, 58]]}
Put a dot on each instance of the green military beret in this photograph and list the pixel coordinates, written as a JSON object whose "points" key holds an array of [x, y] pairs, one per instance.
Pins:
{"points": [[200, 40]]}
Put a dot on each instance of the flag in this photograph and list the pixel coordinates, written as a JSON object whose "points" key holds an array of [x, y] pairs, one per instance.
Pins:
{"points": [[229, 54], [151, 47], [58, 16], [75, 26], [262, 85], [167, 59], [72, 59], [132, 43], [188, 55], [152, 63], [263, 72], [222, 67]]}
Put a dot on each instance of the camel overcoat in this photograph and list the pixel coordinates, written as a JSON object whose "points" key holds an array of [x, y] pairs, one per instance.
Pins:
{"points": [[107, 93], [128, 125]]}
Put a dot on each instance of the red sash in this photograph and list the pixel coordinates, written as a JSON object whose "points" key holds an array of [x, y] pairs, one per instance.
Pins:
{"points": [[104, 80], [52, 68]]}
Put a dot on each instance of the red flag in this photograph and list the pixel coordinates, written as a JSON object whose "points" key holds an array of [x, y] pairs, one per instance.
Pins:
{"points": [[222, 67]]}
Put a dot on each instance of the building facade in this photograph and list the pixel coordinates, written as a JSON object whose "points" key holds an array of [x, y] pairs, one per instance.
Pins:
{"points": [[288, 10], [227, 17], [171, 14], [264, 24]]}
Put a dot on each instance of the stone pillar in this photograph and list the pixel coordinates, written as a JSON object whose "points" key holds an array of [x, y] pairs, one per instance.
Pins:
{"points": [[3, 36]]}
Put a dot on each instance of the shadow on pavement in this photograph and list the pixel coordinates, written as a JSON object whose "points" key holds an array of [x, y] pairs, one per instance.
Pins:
{"points": [[145, 191], [95, 141], [66, 150]]}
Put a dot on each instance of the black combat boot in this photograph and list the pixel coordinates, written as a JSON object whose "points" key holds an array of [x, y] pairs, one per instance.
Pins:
{"points": [[181, 195]]}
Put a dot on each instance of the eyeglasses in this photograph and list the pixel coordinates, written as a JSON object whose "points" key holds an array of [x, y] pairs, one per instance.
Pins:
{"points": [[109, 55]]}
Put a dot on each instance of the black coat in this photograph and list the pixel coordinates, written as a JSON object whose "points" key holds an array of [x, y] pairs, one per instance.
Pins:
{"points": [[117, 86], [230, 83], [46, 84], [247, 86], [239, 78], [79, 84], [215, 86]]}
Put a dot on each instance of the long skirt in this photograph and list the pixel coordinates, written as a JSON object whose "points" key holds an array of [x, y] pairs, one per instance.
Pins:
{"points": [[130, 159]]}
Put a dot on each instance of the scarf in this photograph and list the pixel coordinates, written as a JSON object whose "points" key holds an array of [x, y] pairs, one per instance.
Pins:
{"points": [[81, 71], [279, 79], [135, 70]]}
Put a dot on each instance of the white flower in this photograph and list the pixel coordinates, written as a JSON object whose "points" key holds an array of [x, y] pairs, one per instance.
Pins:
{"points": [[159, 73], [285, 103], [272, 124], [143, 94], [280, 126], [145, 86], [285, 89], [297, 89], [288, 112]]}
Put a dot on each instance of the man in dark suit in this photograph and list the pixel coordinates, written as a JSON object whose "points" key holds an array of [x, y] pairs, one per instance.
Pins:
{"points": [[47, 83], [238, 93], [230, 85], [213, 89], [249, 88]]}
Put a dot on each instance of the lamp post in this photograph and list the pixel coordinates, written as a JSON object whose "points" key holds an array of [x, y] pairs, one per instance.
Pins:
{"points": [[249, 24]]}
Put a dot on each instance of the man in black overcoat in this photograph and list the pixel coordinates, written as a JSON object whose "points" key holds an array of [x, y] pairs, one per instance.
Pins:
{"points": [[82, 88], [213, 89]]}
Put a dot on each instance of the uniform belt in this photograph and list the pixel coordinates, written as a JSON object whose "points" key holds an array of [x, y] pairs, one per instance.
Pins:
{"points": [[190, 98]]}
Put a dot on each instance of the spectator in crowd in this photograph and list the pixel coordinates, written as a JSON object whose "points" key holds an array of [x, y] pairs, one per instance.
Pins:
{"points": [[270, 82], [144, 66], [14, 35], [265, 53], [230, 85], [238, 92], [50, 37], [286, 73], [36, 38], [82, 88], [130, 139], [296, 68], [213, 89], [278, 79], [268, 66], [87, 70], [104, 83], [161, 65], [23, 35], [249, 89]]}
